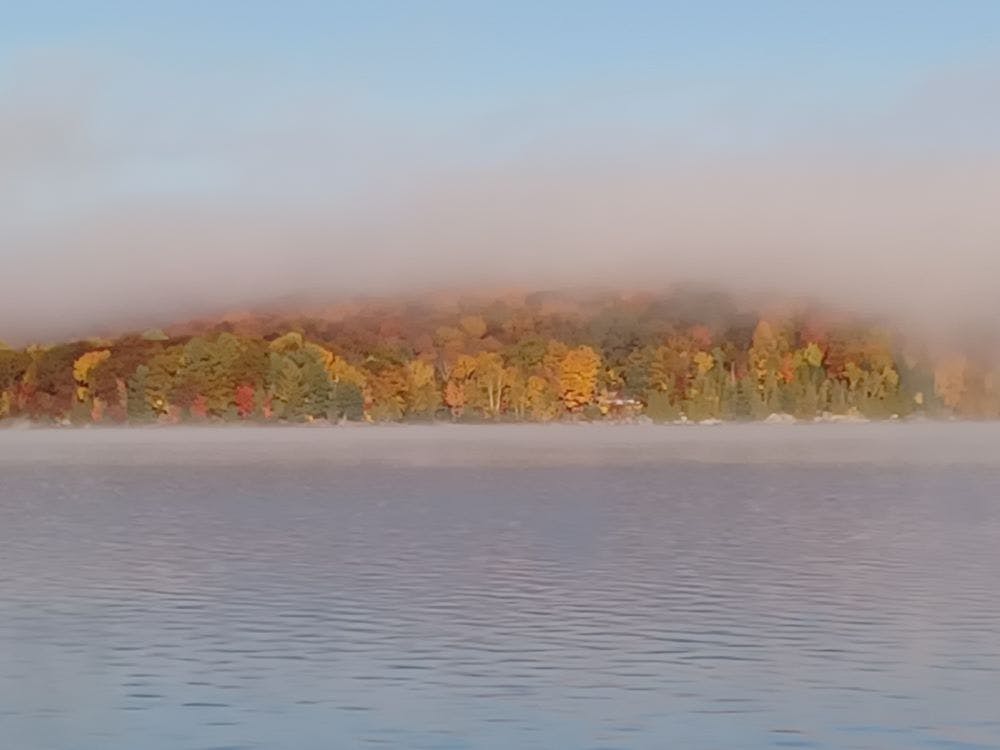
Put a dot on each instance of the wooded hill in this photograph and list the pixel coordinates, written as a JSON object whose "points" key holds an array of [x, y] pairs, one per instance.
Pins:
{"points": [[514, 357]]}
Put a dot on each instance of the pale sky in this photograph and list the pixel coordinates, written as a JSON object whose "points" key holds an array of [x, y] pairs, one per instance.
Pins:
{"points": [[158, 159]]}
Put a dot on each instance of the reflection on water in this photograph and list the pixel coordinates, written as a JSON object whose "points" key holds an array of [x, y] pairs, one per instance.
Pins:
{"points": [[828, 587]]}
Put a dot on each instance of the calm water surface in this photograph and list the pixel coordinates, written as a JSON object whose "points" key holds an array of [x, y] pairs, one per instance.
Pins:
{"points": [[501, 587]]}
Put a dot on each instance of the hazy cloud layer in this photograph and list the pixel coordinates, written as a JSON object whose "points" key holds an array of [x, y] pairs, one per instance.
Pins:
{"points": [[114, 213]]}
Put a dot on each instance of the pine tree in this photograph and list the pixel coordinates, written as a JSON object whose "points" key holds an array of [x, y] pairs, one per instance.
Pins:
{"points": [[347, 402], [137, 404]]}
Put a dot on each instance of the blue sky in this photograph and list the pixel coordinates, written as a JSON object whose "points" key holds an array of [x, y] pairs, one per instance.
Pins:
{"points": [[372, 123], [442, 66], [513, 47]]}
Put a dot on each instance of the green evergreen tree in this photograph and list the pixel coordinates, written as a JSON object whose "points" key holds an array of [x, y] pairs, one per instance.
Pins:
{"points": [[773, 401], [317, 387], [286, 387], [728, 406], [210, 370], [806, 401], [838, 397], [137, 403], [660, 407], [743, 398], [347, 402]]}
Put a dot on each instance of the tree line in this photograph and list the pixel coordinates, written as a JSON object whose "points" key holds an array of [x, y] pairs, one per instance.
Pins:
{"points": [[531, 360]]}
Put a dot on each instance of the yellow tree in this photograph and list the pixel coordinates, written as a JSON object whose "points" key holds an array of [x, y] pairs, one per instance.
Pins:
{"points": [[766, 351], [388, 393], [454, 398], [516, 396], [669, 369], [342, 371], [812, 354], [578, 373], [83, 367], [456, 389], [703, 392], [542, 399], [488, 376], [949, 380], [704, 362], [769, 365], [422, 397], [555, 351]]}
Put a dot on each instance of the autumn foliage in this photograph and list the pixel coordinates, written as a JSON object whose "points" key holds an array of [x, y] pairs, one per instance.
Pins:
{"points": [[536, 357]]}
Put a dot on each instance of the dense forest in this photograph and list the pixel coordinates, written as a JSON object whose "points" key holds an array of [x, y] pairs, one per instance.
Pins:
{"points": [[527, 357]]}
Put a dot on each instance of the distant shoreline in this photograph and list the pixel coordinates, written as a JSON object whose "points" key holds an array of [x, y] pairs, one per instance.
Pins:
{"points": [[15, 425]]}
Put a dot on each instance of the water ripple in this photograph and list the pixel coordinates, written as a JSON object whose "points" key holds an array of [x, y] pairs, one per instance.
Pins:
{"points": [[262, 600]]}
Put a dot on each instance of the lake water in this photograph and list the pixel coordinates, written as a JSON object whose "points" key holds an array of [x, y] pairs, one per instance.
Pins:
{"points": [[818, 586]]}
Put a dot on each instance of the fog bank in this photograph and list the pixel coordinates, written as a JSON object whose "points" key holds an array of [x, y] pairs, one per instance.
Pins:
{"points": [[123, 210]]}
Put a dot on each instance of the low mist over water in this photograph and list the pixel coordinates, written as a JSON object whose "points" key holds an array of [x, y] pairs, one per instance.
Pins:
{"points": [[511, 446], [823, 586]]}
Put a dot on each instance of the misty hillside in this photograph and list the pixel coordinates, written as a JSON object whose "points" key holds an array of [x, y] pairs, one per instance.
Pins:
{"points": [[691, 354]]}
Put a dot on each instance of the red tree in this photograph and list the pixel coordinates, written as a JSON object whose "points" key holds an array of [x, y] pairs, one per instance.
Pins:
{"points": [[245, 401]]}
